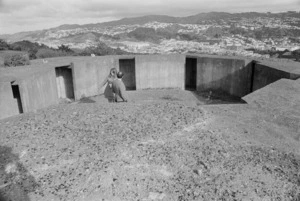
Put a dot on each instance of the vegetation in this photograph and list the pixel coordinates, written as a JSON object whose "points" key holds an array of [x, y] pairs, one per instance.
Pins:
{"points": [[296, 54], [16, 60], [4, 45], [144, 34], [101, 49], [27, 46], [152, 35], [41, 51], [33, 51], [65, 48], [48, 53]]}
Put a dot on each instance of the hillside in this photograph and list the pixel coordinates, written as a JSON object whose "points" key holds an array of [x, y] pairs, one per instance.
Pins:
{"points": [[213, 33]]}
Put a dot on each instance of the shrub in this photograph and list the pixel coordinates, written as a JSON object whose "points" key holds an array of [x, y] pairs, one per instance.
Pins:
{"points": [[101, 49], [296, 54], [16, 60], [3, 45], [144, 34], [48, 53], [65, 48]]}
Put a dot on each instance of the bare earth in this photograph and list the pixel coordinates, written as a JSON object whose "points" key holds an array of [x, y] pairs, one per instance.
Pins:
{"points": [[162, 145]]}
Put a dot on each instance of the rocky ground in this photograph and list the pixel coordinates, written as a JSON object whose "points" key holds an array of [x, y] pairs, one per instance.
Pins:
{"points": [[162, 145]]}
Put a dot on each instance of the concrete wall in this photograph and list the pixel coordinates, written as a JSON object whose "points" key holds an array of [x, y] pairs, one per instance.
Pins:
{"points": [[160, 71], [8, 105], [152, 71], [38, 85], [39, 90], [232, 76], [264, 75], [90, 74]]}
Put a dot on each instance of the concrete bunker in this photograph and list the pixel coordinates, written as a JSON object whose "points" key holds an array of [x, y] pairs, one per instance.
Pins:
{"points": [[191, 74], [17, 96], [213, 79], [127, 66], [64, 81]]}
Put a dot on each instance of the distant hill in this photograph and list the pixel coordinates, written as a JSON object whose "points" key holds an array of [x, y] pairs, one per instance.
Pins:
{"points": [[202, 18], [194, 19], [213, 32]]}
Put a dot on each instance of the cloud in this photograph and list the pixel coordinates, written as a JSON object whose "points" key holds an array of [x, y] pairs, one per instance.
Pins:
{"points": [[8, 6], [38, 14]]}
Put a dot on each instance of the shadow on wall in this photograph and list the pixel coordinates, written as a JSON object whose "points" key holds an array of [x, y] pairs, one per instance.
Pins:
{"points": [[236, 83], [15, 180]]}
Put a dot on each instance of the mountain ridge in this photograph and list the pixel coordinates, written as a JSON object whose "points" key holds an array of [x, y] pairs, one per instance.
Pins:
{"points": [[214, 33], [192, 19]]}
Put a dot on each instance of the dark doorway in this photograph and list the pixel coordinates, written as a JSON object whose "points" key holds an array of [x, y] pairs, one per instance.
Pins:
{"points": [[191, 74], [64, 81], [17, 96], [127, 66]]}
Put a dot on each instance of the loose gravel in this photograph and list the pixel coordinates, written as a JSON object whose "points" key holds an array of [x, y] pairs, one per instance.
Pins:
{"points": [[141, 150]]}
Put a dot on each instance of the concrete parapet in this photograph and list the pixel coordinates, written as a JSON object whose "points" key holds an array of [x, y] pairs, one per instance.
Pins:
{"points": [[160, 71], [232, 76], [264, 75], [282, 96], [8, 104], [39, 90], [44, 83]]}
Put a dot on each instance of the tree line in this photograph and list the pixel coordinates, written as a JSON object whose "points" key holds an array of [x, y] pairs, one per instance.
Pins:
{"points": [[21, 52]]}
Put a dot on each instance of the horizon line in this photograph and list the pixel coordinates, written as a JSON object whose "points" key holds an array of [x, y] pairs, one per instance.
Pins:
{"points": [[80, 24]]}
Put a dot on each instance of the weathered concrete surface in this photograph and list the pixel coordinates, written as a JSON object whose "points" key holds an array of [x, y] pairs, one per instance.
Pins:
{"points": [[282, 95], [90, 73], [292, 67], [20, 72], [282, 99], [8, 105], [39, 90], [160, 71], [222, 74], [264, 75]]}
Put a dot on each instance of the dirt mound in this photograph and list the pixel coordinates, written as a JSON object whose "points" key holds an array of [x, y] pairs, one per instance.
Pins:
{"points": [[158, 150]]}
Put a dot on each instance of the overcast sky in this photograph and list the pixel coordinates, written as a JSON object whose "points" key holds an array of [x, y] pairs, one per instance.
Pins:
{"points": [[29, 15]]}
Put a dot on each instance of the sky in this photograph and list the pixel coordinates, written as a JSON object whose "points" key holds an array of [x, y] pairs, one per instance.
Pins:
{"points": [[29, 15]]}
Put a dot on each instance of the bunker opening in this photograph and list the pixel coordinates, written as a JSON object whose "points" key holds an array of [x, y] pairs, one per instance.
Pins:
{"points": [[64, 81], [191, 74], [17, 96], [127, 66]]}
